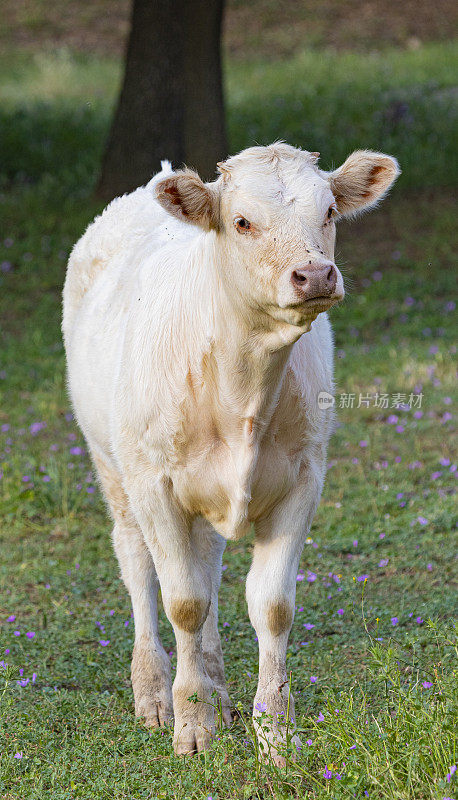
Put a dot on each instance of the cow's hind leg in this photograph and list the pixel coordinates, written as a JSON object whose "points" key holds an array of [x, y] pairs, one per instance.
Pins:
{"points": [[211, 546], [150, 671]]}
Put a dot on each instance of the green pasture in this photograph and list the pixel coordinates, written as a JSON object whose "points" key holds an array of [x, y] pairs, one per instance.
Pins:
{"points": [[376, 600]]}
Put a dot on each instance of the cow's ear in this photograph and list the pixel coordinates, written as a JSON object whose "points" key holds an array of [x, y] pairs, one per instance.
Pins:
{"points": [[362, 180], [184, 195]]}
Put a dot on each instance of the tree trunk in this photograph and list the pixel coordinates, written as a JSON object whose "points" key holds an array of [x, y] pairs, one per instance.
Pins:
{"points": [[171, 102]]}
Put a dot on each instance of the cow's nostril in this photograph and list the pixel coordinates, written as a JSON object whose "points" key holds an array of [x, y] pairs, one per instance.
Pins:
{"points": [[298, 277], [330, 274]]}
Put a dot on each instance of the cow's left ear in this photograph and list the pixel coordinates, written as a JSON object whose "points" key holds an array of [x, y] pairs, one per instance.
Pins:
{"points": [[362, 180], [184, 195]]}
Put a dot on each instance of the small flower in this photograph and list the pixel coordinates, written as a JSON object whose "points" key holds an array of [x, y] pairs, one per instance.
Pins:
{"points": [[18, 755], [340, 612], [11, 618], [313, 679], [419, 621], [104, 642], [363, 443], [451, 773], [261, 707], [426, 684], [36, 427], [422, 520], [394, 621], [30, 634], [311, 577], [308, 626], [320, 717], [327, 774], [309, 742]]}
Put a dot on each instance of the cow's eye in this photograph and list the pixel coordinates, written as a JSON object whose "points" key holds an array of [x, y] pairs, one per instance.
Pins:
{"points": [[332, 210], [242, 224]]}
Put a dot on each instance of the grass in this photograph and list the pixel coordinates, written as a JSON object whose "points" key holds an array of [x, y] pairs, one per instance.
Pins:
{"points": [[375, 596]]}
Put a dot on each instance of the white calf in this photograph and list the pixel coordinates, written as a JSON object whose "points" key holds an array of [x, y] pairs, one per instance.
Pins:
{"points": [[184, 309]]}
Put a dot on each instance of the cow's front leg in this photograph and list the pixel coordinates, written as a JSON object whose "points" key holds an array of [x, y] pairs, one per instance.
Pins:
{"points": [[186, 589], [271, 593]]}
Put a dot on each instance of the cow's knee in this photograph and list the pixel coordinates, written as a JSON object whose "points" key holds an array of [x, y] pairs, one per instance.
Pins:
{"points": [[190, 613], [279, 617]]}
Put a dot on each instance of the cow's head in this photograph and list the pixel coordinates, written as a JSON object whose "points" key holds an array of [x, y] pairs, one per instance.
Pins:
{"points": [[272, 212]]}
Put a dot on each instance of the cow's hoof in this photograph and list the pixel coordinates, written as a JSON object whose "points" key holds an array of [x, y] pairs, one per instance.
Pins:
{"points": [[154, 713], [224, 707], [189, 741], [152, 686], [272, 747], [194, 719]]}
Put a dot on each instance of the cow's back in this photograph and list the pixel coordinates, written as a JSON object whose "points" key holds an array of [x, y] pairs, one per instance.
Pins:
{"points": [[130, 225], [102, 271]]}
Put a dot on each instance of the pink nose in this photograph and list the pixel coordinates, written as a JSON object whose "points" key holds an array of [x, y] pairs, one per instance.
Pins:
{"points": [[314, 280]]}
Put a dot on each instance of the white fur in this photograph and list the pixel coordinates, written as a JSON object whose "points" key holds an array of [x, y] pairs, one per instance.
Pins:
{"points": [[194, 374]]}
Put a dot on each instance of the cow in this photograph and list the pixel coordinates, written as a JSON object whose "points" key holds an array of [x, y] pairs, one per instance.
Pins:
{"points": [[198, 343]]}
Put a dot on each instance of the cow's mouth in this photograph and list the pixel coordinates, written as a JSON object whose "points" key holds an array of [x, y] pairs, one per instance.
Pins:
{"points": [[320, 303]]}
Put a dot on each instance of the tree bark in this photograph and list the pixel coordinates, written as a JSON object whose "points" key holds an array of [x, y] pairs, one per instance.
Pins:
{"points": [[171, 102]]}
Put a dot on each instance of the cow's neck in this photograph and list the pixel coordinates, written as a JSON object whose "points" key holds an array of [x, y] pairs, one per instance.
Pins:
{"points": [[249, 350]]}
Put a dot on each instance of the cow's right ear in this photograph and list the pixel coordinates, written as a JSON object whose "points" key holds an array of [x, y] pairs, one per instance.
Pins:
{"points": [[184, 195]]}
